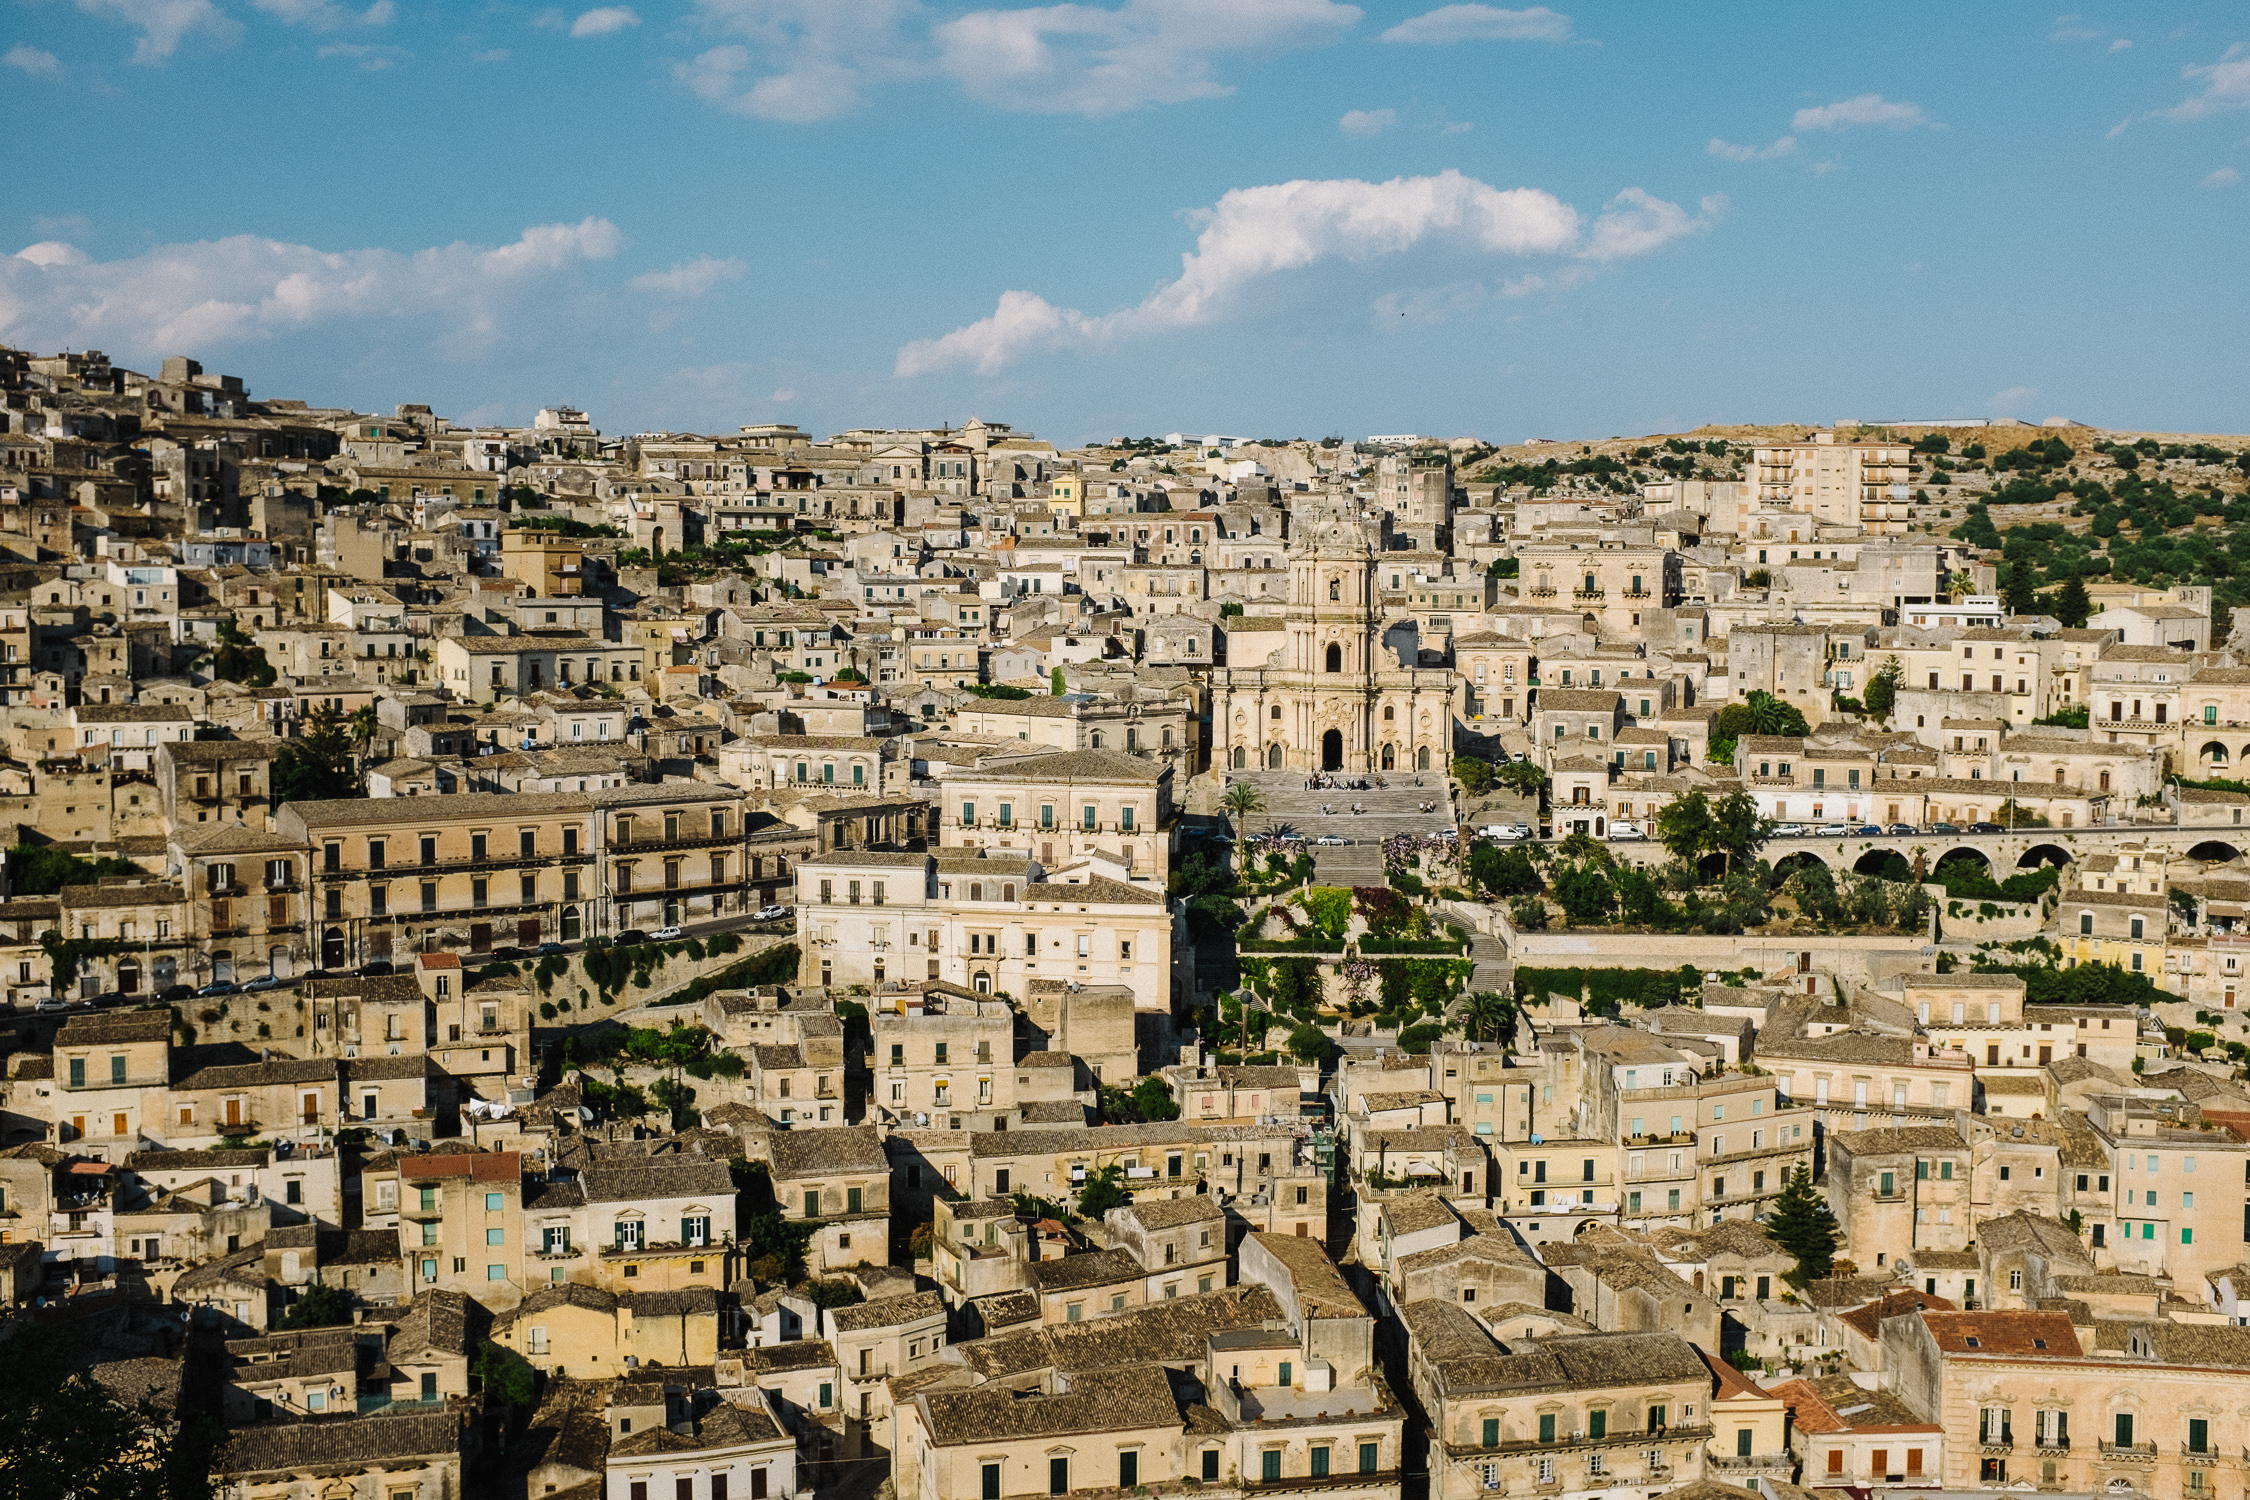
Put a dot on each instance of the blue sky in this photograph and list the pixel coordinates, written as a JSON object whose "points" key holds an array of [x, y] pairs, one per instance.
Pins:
{"points": [[1273, 217]]}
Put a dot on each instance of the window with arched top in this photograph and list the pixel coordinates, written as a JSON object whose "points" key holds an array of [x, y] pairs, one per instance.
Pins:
{"points": [[1335, 658], [1277, 711], [1239, 758], [1008, 891], [976, 891], [1389, 713], [1335, 588]]}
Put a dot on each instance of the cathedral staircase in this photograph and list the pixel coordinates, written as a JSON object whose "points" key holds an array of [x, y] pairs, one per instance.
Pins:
{"points": [[1388, 810]]}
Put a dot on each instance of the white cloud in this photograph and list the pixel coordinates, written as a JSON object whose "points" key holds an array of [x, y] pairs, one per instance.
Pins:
{"points": [[32, 60], [784, 394], [603, 20], [328, 15], [53, 253], [1731, 152], [804, 60], [1481, 23], [2015, 398], [1257, 232], [2226, 86], [2122, 44], [690, 278], [245, 289], [1367, 121], [1867, 109], [372, 57], [1636, 222], [2224, 177], [1458, 127], [164, 24]]}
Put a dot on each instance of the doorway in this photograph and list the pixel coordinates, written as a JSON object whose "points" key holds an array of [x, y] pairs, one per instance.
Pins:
{"points": [[1332, 750]]}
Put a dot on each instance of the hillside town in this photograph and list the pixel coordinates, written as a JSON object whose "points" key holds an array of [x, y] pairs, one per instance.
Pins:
{"points": [[932, 963]]}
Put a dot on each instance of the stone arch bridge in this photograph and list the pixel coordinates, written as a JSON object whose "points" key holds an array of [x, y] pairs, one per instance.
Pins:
{"points": [[2004, 853]]}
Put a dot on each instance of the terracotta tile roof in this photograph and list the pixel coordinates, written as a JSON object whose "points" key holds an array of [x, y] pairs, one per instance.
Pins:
{"points": [[2003, 1333]]}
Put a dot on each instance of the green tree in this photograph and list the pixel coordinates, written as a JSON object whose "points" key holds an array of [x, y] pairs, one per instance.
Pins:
{"points": [[1736, 829], [66, 956], [1585, 894], [317, 766], [1523, 777], [2071, 605], [1489, 1015], [239, 658], [1308, 1043], [44, 869], [1503, 872], [1528, 914], [1800, 1222], [317, 1306], [1154, 1101], [364, 726], [1103, 1190], [506, 1376], [1882, 688], [1239, 802], [2021, 591], [1771, 715], [63, 1436], [1055, 683], [1684, 827], [1474, 775]]}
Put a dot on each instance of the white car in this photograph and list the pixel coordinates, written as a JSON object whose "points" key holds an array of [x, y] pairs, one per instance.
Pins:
{"points": [[1788, 830], [1831, 831], [1624, 830], [1331, 838], [666, 934], [772, 913]]}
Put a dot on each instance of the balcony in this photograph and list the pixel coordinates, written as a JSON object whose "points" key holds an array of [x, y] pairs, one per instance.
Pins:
{"points": [[1589, 596], [2128, 1453], [1755, 1463], [2056, 1444], [2202, 1458], [1996, 1446]]}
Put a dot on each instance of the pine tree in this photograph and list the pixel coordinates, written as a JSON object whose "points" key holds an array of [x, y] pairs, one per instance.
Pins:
{"points": [[2072, 606], [1801, 1224]]}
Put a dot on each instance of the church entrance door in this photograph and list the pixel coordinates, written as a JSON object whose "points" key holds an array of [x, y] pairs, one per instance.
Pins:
{"points": [[1332, 750]]}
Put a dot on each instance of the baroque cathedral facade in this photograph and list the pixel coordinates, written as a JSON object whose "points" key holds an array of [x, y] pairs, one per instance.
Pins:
{"points": [[1345, 692]]}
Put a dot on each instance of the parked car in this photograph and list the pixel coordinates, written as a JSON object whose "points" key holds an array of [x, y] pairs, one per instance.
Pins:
{"points": [[1509, 831], [1867, 831], [772, 913], [379, 967], [1986, 828], [263, 983], [549, 950], [628, 937], [1788, 830], [1625, 830], [1331, 838], [507, 953], [1901, 830], [220, 987], [668, 933], [51, 1003], [105, 1000], [1943, 828], [172, 992], [1830, 831]]}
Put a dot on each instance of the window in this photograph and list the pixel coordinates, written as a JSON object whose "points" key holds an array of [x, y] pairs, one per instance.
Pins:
{"points": [[991, 1489], [1370, 1457], [1269, 1462]]}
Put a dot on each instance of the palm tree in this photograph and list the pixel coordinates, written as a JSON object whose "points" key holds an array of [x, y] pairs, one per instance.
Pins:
{"points": [[1241, 800], [1488, 1013], [363, 727]]}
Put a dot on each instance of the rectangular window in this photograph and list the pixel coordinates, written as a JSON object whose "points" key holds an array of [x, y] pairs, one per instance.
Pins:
{"points": [[1128, 1469], [991, 1482], [1547, 1427], [1492, 1432], [1370, 1457], [1269, 1465], [1320, 1462]]}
